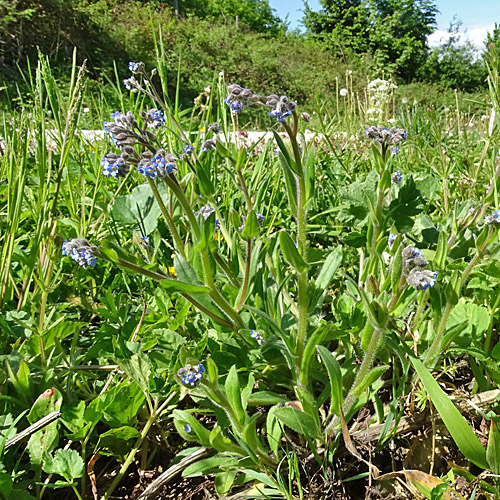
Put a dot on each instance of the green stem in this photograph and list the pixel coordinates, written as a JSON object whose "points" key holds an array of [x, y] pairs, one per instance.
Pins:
{"points": [[244, 188], [377, 225], [209, 313], [168, 219], [364, 368], [247, 276], [179, 193], [130, 457], [439, 334]]}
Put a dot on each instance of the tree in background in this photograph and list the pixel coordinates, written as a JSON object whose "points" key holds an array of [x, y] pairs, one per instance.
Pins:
{"points": [[392, 33], [455, 63], [257, 15], [342, 24]]}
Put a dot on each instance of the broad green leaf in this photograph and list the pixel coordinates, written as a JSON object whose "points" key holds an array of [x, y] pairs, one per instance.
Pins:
{"points": [[297, 420], [462, 434], [179, 286], [46, 439], [273, 431], [138, 207], [5, 484], [118, 442], [67, 463], [222, 443], [181, 418], [291, 253], [281, 145], [224, 480], [335, 376], [138, 368]]}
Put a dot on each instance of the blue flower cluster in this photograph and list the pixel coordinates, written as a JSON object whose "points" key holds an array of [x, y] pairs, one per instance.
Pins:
{"points": [[384, 135], [397, 177], [191, 375], [114, 166], [239, 97], [80, 251], [413, 269], [493, 218], [157, 165], [205, 212], [280, 117], [135, 67], [155, 118], [188, 149], [282, 107]]}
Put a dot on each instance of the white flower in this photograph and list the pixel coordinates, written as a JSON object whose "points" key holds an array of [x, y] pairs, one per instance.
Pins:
{"points": [[349, 71], [86, 110], [404, 100], [343, 92]]}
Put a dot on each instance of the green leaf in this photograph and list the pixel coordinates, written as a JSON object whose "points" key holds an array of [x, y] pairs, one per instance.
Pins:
{"points": [[371, 377], [138, 368], [46, 439], [297, 420], [291, 254], [223, 481], [118, 442], [233, 393], [67, 463], [138, 207], [462, 434], [264, 398], [252, 228], [286, 155], [273, 431], [493, 448], [208, 465], [222, 443], [329, 268], [5, 484], [198, 432], [180, 286], [335, 376]]}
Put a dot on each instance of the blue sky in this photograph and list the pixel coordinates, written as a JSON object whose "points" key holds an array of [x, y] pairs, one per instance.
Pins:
{"points": [[478, 16]]}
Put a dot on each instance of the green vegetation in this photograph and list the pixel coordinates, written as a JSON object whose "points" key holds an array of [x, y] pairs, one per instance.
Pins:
{"points": [[278, 314]]}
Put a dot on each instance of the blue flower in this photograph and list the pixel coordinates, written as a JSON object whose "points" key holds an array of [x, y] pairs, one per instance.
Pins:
{"points": [[191, 375], [155, 118], [397, 177], [422, 280], [494, 217], [135, 67], [208, 145], [80, 251], [280, 116], [234, 106], [254, 334], [188, 149], [187, 428]]}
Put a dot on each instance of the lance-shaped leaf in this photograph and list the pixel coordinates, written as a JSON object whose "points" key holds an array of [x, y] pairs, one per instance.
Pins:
{"points": [[335, 376], [462, 434], [291, 253]]}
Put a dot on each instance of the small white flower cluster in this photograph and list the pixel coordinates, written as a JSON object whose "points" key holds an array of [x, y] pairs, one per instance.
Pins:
{"points": [[379, 93]]}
